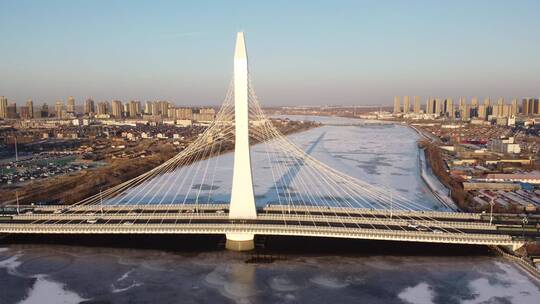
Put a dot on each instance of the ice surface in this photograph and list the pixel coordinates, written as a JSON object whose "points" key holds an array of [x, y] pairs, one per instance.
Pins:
{"points": [[382, 155], [122, 276], [510, 285], [43, 291]]}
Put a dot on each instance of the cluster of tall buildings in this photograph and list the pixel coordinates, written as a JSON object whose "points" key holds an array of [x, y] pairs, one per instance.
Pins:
{"points": [[28, 111], [462, 109], [134, 109], [9, 111], [103, 109], [115, 109]]}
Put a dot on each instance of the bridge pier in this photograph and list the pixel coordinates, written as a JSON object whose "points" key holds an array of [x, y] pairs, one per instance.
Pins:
{"points": [[240, 241]]}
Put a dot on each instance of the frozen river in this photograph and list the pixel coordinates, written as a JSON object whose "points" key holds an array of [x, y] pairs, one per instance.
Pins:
{"points": [[40, 274], [384, 155]]}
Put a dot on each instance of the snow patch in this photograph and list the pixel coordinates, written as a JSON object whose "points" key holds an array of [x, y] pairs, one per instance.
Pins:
{"points": [[124, 276], [117, 290], [49, 292], [419, 294], [329, 282], [282, 283], [512, 284], [11, 264]]}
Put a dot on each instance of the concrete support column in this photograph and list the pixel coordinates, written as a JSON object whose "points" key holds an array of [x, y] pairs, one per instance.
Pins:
{"points": [[240, 241]]}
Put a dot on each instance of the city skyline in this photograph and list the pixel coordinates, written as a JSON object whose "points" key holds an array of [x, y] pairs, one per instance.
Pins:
{"points": [[345, 53]]}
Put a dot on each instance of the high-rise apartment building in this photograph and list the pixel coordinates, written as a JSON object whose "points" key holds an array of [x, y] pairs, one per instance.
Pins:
{"points": [[474, 107], [24, 113], [465, 112], [70, 106], [448, 108], [514, 107], [171, 112], [430, 106], [3, 107], [416, 104], [155, 108], [406, 104], [148, 108], [506, 111], [44, 113], [474, 102], [184, 113], [12, 110], [525, 106], [397, 104], [498, 109], [134, 108], [482, 111], [462, 101], [164, 108], [58, 108], [438, 106], [103, 108], [117, 108], [30, 106], [462, 108], [89, 107], [530, 106], [495, 111], [205, 114]]}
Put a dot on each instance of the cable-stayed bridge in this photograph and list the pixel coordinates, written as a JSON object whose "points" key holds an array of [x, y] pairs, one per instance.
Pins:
{"points": [[305, 197]]}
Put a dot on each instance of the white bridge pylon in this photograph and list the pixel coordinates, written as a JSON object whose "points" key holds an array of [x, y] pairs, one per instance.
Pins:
{"points": [[242, 196]]}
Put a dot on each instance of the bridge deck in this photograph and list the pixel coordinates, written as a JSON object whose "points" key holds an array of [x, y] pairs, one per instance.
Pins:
{"points": [[263, 229], [432, 226]]}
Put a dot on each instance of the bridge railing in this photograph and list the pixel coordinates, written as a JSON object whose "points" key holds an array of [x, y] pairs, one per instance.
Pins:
{"points": [[456, 215], [262, 216]]}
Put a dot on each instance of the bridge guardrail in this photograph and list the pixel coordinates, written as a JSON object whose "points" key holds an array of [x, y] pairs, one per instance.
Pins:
{"points": [[263, 216], [457, 215]]}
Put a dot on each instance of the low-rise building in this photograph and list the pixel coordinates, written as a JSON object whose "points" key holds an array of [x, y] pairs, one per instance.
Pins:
{"points": [[531, 177], [504, 145]]}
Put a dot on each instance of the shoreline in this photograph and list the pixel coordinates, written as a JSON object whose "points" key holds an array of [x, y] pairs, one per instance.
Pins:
{"points": [[444, 199]]}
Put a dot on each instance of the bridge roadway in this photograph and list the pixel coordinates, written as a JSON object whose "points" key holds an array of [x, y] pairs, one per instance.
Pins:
{"points": [[271, 220], [467, 218], [48, 209]]}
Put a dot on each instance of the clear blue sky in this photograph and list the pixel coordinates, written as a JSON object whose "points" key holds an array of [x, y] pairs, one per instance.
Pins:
{"points": [[301, 52]]}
